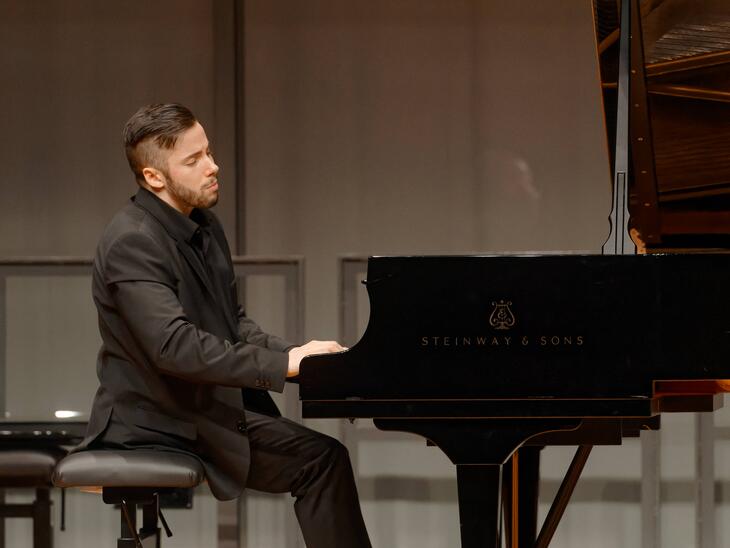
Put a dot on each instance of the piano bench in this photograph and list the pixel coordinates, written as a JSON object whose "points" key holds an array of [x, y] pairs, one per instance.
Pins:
{"points": [[131, 478], [23, 467]]}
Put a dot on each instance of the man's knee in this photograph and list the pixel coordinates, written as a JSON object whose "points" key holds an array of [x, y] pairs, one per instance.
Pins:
{"points": [[328, 460], [334, 449], [331, 457]]}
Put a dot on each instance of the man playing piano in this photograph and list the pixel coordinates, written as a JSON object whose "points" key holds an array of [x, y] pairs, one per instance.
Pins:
{"points": [[181, 367]]}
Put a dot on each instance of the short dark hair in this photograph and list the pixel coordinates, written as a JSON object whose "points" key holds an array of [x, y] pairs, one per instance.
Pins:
{"points": [[150, 130]]}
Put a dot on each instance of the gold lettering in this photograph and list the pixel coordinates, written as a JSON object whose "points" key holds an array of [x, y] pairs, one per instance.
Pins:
{"points": [[542, 340]]}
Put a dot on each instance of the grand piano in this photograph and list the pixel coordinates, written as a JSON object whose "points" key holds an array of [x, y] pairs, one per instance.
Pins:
{"points": [[490, 362]]}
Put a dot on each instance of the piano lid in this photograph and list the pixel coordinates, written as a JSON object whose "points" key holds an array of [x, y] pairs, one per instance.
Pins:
{"points": [[680, 118]]}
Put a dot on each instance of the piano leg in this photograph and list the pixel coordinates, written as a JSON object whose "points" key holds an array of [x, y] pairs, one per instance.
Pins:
{"points": [[479, 493], [529, 494], [520, 490], [510, 516], [478, 448]]}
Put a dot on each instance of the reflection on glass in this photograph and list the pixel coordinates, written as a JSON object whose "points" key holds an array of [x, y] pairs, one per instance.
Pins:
{"points": [[62, 414]]}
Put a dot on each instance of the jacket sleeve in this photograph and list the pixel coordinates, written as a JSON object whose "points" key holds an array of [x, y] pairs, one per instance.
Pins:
{"points": [[144, 290]]}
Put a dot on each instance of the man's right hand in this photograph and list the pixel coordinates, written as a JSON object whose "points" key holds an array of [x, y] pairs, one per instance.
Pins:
{"points": [[297, 353]]}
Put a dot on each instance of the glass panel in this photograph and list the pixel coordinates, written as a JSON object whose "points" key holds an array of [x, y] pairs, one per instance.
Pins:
{"points": [[52, 341]]}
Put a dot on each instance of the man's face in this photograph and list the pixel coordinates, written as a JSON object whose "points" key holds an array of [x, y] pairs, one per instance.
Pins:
{"points": [[191, 178]]}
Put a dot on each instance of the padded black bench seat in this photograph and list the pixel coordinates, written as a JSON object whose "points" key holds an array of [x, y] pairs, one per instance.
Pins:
{"points": [[132, 468], [30, 467], [130, 478]]}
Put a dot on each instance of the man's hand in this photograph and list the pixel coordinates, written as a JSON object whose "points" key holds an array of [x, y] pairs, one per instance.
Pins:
{"points": [[297, 353]]}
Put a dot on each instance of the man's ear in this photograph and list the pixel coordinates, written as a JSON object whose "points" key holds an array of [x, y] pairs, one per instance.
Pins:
{"points": [[154, 178]]}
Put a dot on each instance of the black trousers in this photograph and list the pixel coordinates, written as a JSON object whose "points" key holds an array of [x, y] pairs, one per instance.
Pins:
{"points": [[287, 457]]}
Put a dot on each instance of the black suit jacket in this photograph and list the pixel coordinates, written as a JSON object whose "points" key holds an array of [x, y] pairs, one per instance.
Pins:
{"points": [[174, 357]]}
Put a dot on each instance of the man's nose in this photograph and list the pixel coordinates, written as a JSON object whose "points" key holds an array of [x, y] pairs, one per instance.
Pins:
{"points": [[212, 167]]}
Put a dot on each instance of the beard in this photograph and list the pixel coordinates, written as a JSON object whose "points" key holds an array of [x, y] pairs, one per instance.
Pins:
{"points": [[189, 197]]}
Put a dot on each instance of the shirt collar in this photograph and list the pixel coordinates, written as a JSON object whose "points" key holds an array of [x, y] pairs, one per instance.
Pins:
{"points": [[179, 226]]}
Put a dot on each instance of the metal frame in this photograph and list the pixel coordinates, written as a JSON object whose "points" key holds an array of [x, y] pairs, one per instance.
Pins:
{"points": [[705, 515], [130, 500], [348, 267], [290, 267], [39, 511], [651, 489]]}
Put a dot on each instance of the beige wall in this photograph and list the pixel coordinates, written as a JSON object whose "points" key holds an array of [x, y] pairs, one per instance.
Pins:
{"points": [[72, 73], [421, 127]]}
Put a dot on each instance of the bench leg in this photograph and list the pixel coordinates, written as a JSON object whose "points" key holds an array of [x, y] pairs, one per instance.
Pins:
{"points": [[149, 534], [129, 525], [149, 522], [42, 533]]}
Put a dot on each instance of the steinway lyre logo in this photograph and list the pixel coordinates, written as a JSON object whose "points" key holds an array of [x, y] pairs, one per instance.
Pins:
{"points": [[502, 316]]}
